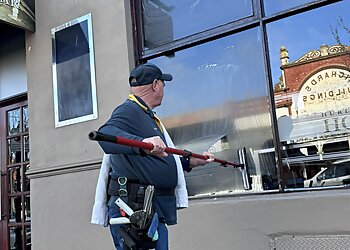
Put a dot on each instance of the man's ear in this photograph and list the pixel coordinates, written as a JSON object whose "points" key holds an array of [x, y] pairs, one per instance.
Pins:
{"points": [[154, 85]]}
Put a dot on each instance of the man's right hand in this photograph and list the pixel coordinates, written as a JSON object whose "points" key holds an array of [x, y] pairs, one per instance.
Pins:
{"points": [[158, 146]]}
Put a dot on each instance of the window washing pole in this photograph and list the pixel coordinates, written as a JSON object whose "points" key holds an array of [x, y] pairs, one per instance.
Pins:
{"points": [[98, 136]]}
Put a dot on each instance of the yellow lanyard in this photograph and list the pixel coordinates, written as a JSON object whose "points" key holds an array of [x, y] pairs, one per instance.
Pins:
{"points": [[156, 118]]}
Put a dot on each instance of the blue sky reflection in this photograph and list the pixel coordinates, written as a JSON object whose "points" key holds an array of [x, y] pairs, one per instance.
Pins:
{"points": [[305, 32], [213, 74]]}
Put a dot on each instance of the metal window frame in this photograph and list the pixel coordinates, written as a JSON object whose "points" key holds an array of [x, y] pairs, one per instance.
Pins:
{"points": [[258, 19]]}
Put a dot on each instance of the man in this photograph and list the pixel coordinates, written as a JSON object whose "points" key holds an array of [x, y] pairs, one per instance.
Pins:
{"points": [[132, 168]]}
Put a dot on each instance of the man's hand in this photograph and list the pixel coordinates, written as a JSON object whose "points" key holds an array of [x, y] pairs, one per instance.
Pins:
{"points": [[195, 162], [158, 146]]}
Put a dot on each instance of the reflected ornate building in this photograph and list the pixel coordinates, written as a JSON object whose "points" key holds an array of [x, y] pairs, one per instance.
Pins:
{"points": [[312, 101]]}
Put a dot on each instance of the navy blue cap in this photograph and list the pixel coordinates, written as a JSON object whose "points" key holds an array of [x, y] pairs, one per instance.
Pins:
{"points": [[146, 73]]}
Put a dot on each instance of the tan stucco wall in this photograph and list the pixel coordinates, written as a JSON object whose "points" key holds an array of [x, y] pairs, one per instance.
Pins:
{"points": [[61, 211], [55, 148], [242, 222], [246, 223], [63, 161]]}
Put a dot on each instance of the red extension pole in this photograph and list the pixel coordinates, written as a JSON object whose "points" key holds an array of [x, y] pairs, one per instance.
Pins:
{"points": [[98, 136]]}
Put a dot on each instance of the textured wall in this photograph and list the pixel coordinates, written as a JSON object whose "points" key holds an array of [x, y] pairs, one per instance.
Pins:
{"points": [[56, 148], [248, 222], [63, 161]]}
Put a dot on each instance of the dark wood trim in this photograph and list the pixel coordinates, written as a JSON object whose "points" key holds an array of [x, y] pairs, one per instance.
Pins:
{"points": [[13, 100], [5, 106], [4, 203], [136, 17]]}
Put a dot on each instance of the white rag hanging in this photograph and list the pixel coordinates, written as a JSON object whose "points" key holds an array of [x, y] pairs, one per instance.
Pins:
{"points": [[100, 210], [180, 190]]}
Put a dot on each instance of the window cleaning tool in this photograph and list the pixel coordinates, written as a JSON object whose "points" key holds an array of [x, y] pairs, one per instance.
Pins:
{"points": [[244, 169], [242, 165], [98, 136]]}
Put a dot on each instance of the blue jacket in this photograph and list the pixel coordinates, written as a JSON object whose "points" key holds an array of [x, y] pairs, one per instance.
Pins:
{"points": [[130, 121]]}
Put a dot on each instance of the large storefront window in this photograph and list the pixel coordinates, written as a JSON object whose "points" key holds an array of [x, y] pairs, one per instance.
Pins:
{"points": [[217, 95], [168, 20], [310, 60]]}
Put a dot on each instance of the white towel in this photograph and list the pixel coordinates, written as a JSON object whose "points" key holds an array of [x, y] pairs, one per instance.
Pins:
{"points": [[181, 190], [100, 211]]}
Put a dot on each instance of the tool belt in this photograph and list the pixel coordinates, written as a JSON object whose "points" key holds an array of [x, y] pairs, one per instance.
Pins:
{"points": [[137, 235], [134, 190], [135, 238]]}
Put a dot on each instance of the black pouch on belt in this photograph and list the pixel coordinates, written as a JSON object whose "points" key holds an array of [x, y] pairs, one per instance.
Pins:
{"points": [[135, 191], [136, 238], [128, 188]]}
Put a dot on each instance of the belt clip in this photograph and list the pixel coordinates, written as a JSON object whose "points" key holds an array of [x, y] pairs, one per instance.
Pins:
{"points": [[141, 194], [122, 186]]}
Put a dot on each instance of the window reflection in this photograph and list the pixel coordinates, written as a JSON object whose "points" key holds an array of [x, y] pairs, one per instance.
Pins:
{"points": [[13, 121], [273, 6], [224, 105], [14, 150], [26, 148], [15, 180], [17, 202], [15, 209], [312, 94], [27, 208], [26, 186], [25, 119], [28, 238], [16, 238], [168, 20]]}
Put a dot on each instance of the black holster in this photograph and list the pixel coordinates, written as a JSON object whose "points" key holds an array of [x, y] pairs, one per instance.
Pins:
{"points": [[136, 192], [133, 238]]}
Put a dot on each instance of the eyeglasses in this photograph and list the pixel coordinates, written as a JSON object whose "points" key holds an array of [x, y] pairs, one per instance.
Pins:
{"points": [[122, 186], [162, 82]]}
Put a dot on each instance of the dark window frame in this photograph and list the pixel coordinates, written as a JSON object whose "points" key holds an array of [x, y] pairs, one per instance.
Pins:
{"points": [[5, 225], [258, 19]]}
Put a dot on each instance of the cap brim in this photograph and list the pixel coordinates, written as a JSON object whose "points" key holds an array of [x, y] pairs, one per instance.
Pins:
{"points": [[166, 77]]}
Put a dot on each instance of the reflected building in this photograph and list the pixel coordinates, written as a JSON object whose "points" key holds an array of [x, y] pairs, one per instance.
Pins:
{"points": [[224, 130], [313, 106]]}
